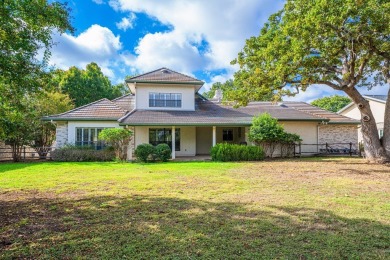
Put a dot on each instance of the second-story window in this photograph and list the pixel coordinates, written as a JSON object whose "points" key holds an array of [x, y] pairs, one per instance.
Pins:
{"points": [[164, 100]]}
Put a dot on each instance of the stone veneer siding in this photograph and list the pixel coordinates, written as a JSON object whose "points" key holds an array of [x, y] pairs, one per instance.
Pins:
{"points": [[61, 134], [338, 134]]}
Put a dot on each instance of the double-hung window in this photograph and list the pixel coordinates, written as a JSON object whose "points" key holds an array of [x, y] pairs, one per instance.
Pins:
{"points": [[88, 136], [164, 99]]}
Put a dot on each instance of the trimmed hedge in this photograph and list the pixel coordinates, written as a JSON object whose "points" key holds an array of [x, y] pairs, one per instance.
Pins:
{"points": [[225, 152], [144, 152], [82, 154], [163, 152]]}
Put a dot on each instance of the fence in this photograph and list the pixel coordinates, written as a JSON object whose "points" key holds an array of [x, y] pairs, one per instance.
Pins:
{"points": [[327, 149], [28, 153]]}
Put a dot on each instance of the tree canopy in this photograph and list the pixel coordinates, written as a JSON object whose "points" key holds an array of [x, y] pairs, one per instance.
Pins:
{"points": [[343, 44], [332, 103], [26, 29], [87, 85], [229, 90]]}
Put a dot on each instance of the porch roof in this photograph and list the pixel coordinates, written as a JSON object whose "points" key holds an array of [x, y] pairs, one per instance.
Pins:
{"points": [[210, 113]]}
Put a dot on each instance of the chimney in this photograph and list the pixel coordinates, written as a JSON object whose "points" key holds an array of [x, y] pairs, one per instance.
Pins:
{"points": [[218, 95]]}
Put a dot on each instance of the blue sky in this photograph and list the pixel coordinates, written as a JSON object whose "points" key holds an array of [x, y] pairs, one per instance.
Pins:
{"points": [[197, 37]]}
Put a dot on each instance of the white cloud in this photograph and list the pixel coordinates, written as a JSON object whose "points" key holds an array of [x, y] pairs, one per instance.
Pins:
{"points": [[96, 44], [223, 24], [126, 22], [99, 2]]}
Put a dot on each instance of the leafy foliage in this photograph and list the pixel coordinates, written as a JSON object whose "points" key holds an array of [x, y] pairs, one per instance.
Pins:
{"points": [[145, 152], [26, 28], [268, 133], [71, 153], [229, 91], [332, 103], [225, 152], [119, 139], [86, 86], [342, 44], [21, 123], [163, 152]]}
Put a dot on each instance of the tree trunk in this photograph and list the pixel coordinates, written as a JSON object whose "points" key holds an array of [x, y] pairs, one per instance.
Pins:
{"points": [[372, 145], [386, 121]]}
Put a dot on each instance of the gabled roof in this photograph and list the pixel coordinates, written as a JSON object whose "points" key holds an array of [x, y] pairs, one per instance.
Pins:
{"points": [[377, 98], [210, 113], [101, 110], [127, 102], [334, 118], [164, 75]]}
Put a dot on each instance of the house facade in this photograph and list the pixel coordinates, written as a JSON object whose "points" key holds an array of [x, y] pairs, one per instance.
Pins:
{"points": [[377, 104], [165, 107]]}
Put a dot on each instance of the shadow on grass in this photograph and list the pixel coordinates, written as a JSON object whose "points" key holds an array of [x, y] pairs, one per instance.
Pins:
{"points": [[150, 227]]}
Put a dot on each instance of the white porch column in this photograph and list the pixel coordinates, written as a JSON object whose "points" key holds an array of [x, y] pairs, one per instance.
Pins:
{"points": [[173, 142], [214, 135]]}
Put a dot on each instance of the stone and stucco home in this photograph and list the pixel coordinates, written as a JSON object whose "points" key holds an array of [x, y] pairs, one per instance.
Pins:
{"points": [[377, 104], [165, 107]]}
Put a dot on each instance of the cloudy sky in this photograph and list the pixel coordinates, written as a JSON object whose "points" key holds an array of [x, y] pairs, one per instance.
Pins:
{"points": [[197, 37]]}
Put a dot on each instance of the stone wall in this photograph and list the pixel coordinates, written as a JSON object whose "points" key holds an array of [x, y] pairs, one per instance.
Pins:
{"points": [[338, 134], [61, 134]]}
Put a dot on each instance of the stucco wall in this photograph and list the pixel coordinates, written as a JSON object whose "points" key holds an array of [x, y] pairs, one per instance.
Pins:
{"points": [[187, 138], [187, 93], [338, 134], [204, 140], [378, 110], [98, 124], [61, 134], [307, 131]]}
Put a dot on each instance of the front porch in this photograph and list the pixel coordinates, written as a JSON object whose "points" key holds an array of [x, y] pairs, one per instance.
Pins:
{"points": [[190, 141]]}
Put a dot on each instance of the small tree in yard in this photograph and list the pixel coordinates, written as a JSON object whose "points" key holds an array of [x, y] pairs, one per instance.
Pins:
{"points": [[119, 139], [268, 133]]}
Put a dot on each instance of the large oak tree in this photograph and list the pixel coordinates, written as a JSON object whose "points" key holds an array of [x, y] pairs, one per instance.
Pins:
{"points": [[344, 44]]}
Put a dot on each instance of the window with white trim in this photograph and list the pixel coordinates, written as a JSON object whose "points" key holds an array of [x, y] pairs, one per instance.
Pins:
{"points": [[164, 99], [88, 136]]}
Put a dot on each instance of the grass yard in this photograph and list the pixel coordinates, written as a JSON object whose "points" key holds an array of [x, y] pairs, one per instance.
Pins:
{"points": [[310, 208]]}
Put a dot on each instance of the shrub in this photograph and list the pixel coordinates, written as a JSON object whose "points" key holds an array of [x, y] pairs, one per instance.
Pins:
{"points": [[163, 152], [268, 133], [119, 139], [225, 152], [145, 152], [71, 153]]}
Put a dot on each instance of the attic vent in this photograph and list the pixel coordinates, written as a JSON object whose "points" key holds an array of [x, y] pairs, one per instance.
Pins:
{"points": [[281, 104], [165, 71]]}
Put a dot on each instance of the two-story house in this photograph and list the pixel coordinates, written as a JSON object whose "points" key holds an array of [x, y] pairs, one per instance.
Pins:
{"points": [[165, 107], [377, 104]]}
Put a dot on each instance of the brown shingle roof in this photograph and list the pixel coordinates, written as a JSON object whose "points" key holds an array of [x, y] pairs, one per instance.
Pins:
{"points": [[209, 113], [127, 102], [102, 109], [334, 118], [164, 75]]}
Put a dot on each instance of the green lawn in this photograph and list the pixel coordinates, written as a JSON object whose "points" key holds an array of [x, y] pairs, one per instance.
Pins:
{"points": [[310, 208]]}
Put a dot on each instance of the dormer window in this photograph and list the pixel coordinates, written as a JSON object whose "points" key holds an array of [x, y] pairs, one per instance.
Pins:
{"points": [[164, 99]]}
